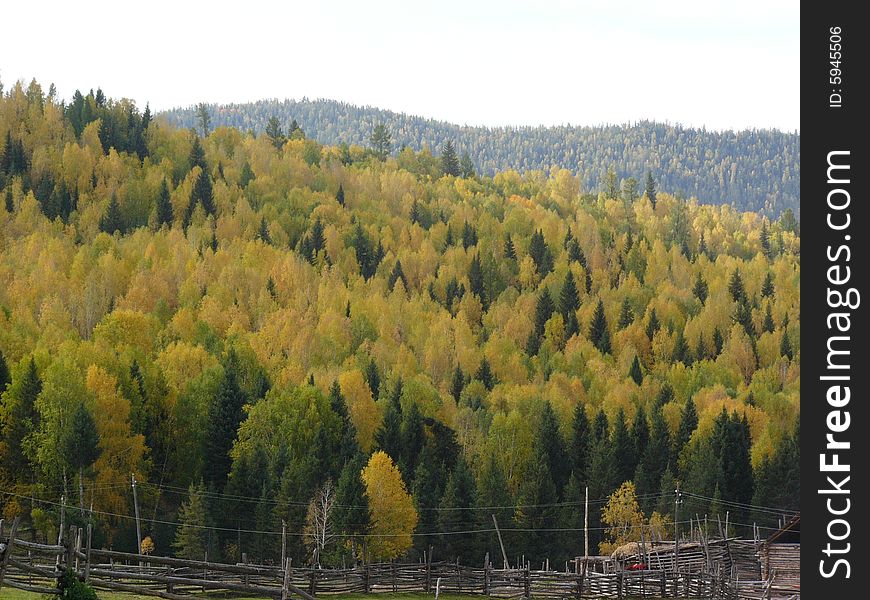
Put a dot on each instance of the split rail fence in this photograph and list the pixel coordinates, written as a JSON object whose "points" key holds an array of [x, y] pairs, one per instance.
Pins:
{"points": [[35, 567]]}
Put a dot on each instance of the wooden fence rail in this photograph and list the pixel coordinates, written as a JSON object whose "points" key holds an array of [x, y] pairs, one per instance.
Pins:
{"points": [[36, 567]]}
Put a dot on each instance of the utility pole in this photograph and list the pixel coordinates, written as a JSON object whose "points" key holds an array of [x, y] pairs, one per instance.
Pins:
{"points": [[678, 499], [500, 543], [136, 508], [586, 525]]}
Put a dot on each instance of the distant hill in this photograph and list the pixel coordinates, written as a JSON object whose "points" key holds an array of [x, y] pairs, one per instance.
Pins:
{"points": [[757, 170]]}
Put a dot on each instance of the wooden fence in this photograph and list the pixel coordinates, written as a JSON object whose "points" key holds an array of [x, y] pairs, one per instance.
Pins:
{"points": [[35, 567]]}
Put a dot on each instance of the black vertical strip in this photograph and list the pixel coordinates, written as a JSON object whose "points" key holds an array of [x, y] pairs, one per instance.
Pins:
{"points": [[832, 122]]}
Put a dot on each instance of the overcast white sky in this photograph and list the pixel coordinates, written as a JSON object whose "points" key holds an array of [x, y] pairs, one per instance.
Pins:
{"points": [[731, 64]]}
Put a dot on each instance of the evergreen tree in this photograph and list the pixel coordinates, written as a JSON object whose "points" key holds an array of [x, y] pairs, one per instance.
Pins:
{"points": [[112, 220], [624, 458], [688, 424], [665, 395], [493, 498], [373, 378], [667, 488], [550, 444], [275, 133], [246, 175], [611, 189], [768, 325], [598, 332], [456, 515], [540, 253], [718, 341], [457, 383], [700, 289], [735, 287], [21, 420], [650, 190], [191, 538], [10, 201], [427, 490], [509, 250], [164, 206], [536, 510], [767, 288], [381, 141], [339, 195], [202, 193], [485, 375], [413, 439], [652, 325], [318, 240], [466, 165], [701, 348], [225, 415], [635, 372], [580, 447], [575, 253], [653, 460], [263, 231], [197, 155], [449, 160], [351, 511], [5, 376], [396, 275], [785, 348], [640, 435], [743, 316], [569, 297], [764, 238], [681, 350], [204, 118], [389, 436], [602, 479], [626, 314], [469, 236], [475, 280], [448, 238], [347, 445], [80, 445], [544, 309]]}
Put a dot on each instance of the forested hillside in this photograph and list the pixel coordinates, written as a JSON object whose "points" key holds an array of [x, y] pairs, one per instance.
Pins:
{"points": [[748, 170], [265, 329]]}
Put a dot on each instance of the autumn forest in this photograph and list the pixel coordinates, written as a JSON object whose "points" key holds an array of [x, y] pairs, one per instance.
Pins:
{"points": [[381, 349]]}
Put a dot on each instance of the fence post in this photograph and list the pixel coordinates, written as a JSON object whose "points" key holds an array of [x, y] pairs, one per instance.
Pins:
{"points": [[619, 582], [664, 585], [486, 575], [78, 549], [285, 586], [367, 579], [245, 578], [312, 585], [88, 558], [9, 547], [526, 582], [428, 583]]}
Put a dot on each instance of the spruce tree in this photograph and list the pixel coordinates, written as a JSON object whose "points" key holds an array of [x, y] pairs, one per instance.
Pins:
{"points": [[580, 446], [768, 325], [536, 510], [551, 445], [509, 250], [598, 332], [476, 280], [457, 383], [389, 436], [785, 348], [718, 341], [449, 160], [224, 416], [164, 206], [569, 297], [395, 275], [544, 309], [493, 498], [5, 376], [767, 288], [650, 190], [275, 133], [426, 489], [701, 348], [413, 439], [700, 289], [688, 424], [652, 325], [635, 372], [681, 350], [197, 155], [80, 445], [485, 375], [623, 449], [626, 314], [456, 514], [540, 253], [469, 236], [263, 231], [339, 195], [373, 378], [466, 165], [112, 220], [21, 420], [191, 538], [10, 201], [381, 141], [653, 459], [735, 287]]}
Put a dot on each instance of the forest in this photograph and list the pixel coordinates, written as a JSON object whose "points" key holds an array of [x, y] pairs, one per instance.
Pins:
{"points": [[751, 170], [381, 350]]}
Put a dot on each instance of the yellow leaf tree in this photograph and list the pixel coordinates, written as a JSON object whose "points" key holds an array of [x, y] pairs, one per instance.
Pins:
{"points": [[393, 516], [623, 518]]}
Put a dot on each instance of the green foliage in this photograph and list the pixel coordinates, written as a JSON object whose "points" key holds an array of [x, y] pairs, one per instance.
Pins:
{"points": [[72, 588], [599, 335], [191, 539], [449, 160]]}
